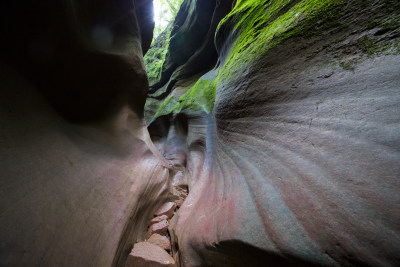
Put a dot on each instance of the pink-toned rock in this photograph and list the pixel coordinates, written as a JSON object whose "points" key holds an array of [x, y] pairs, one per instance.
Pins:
{"points": [[145, 254], [179, 202], [178, 178], [166, 209], [161, 241], [182, 192], [158, 228], [158, 219]]}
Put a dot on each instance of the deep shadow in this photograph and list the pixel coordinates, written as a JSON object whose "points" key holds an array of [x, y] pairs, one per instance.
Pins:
{"points": [[181, 123], [238, 253], [159, 128]]}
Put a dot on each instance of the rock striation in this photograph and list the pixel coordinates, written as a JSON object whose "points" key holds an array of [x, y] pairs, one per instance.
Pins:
{"points": [[75, 164], [292, 142], [273, 134]]}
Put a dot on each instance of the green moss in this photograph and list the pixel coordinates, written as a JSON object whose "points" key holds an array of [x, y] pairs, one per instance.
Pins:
{"points": [[265, 24], [348, 65], [372, 24], [261, 25], [201, 96], [155, 57]]}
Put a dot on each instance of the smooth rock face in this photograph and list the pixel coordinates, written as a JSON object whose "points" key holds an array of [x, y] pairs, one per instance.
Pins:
{"points": [[145, 254], [296, 164], [178, 178], [161, 241], [300, 154], [75, 159], [166, 209], [197, 53]]}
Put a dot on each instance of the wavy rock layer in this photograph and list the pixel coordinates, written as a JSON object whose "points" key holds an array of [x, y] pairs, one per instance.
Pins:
{"points": [[298, 161], [78, 180], [289, 148]]}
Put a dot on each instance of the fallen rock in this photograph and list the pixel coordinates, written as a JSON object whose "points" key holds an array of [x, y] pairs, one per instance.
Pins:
{"points": [[166, 209], [182, 192], [179, 202], [161, 241], [158, 219], [158, 228], [145, 254]]}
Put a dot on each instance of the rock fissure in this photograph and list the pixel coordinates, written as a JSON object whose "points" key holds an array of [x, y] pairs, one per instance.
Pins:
{"points": [[159, 231], [265, 133]]}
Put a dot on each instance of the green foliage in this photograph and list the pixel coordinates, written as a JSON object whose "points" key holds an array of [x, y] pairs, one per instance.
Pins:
{"points": [[173, 5], [165, 12], [155, 57]]}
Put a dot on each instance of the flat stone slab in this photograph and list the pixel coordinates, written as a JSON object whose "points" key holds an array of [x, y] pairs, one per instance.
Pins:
{"points": [[160, 228], [145, 254], [161, 241], [158, 219], [166, 209]]}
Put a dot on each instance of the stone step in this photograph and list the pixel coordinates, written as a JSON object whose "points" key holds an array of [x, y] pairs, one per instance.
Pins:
{"points": [[158, 219], [160, 228], [145, 254], [161, 241]]}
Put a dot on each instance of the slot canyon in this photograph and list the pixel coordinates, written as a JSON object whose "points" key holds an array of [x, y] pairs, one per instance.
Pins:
{"points": [[247, 133]]}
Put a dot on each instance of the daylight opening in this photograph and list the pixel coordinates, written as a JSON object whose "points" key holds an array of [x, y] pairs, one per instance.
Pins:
{"points": [[164, 13]]}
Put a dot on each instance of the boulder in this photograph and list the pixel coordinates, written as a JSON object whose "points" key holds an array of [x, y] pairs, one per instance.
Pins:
{"points": [[161, 241], [158, 219], [145, 254], [158, 228], [179, 202]]}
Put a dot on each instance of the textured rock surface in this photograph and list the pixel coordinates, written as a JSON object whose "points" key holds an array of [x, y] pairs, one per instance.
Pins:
{"points": [[145, 254], [160, 228], [191, 50], [161, 241], [287, 133], [297, 160], [159, 219], [74, 194]]}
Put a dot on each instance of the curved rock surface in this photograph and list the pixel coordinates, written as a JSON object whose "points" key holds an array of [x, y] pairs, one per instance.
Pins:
{"points": [[191, 48], [297, 160], [78, 182], [280, 118]]}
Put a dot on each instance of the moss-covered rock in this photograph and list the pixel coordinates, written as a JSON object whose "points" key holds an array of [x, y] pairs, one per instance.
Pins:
{"points": [[155, 57], [255, 27], [200, 96]]}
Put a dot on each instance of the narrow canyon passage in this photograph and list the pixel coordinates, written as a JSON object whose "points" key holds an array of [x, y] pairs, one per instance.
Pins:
{"points": [[244, 133]]}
